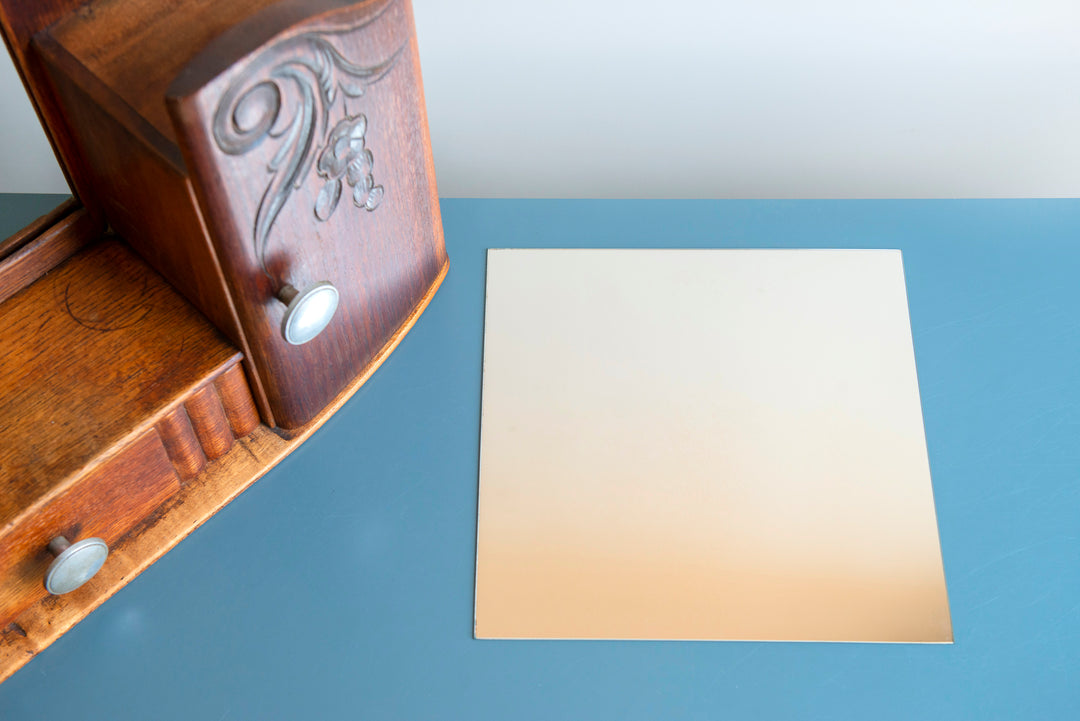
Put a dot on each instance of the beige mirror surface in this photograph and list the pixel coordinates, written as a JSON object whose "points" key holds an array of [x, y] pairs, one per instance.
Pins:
{"points": [[704, 444]]}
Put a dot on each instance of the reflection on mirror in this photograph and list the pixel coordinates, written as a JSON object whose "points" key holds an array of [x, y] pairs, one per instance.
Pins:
{"points": [[27, 162], [31, 182]]}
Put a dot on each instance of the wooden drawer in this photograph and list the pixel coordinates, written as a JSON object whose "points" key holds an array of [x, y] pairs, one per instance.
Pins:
{"points": [[106, 503], [114, 392]]}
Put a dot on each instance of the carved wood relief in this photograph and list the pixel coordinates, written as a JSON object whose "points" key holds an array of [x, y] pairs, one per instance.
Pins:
{"points": [[310, 160], [308, 74]]}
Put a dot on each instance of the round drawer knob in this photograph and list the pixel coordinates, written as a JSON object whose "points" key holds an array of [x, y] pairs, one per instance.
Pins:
{"points": [[307, 312], [75, 563]]}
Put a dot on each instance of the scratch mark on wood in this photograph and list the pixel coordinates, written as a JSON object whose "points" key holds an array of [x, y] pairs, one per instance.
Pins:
{"points": [[89, 325], [15, 628], [244, 445]]}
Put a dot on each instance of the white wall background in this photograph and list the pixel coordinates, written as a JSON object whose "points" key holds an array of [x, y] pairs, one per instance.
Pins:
{"points": [[726, 99]]}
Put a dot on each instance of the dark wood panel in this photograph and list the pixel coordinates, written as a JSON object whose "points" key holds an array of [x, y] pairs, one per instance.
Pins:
{"points": [[137, 47], [69, 73], [141, 186], [348, 196]]}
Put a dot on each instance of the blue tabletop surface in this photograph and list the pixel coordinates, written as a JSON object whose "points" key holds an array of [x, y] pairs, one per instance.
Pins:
{"points": [[341, 584]]}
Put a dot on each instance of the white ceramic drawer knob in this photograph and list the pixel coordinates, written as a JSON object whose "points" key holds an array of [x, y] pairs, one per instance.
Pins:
{"points": [[308, 311], [75, 563]]}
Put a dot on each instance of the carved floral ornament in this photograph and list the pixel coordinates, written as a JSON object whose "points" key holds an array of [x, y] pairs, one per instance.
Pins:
{"points": [[345, 155], [307, 74]]}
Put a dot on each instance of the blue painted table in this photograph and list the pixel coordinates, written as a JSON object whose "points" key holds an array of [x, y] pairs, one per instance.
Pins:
{"points": [[341, 584]]}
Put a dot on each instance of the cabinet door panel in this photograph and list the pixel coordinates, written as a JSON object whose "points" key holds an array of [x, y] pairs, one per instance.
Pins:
{"points": [[308, 148]]}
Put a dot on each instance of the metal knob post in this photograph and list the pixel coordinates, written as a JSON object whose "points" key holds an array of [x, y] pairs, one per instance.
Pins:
{"points": [[307, 312], [75, 563]]}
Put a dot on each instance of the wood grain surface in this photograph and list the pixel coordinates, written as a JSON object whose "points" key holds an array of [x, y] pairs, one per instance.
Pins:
{"points": [[204, 426], [209, 421], [141, 187], [90, 356], [181, 443], [105, 502], [47, 249], [137, 47], [232, 388]]}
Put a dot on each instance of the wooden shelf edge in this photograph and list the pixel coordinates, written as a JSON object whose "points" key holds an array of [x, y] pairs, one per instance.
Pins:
{"points": [[36, 227], [219, 483], [32, 255], [121, 444]]}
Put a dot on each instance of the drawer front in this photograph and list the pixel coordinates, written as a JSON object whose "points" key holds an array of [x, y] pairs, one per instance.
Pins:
{"points": [[120, 493], [105, 503], [308, 149]]}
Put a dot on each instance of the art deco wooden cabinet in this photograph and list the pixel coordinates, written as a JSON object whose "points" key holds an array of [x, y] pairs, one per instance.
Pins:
{"points": [[255, 227]]}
